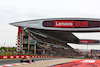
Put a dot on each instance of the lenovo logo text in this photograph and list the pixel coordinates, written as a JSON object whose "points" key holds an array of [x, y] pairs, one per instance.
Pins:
{"points": [[64, 24]]}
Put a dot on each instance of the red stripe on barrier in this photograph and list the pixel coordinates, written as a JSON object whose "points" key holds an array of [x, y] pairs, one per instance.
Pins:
{"points": [[1, 57], [25, 56]]}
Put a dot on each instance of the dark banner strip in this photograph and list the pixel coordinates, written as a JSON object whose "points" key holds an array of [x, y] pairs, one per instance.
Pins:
{"points": [[89, 41], [71, 24]]}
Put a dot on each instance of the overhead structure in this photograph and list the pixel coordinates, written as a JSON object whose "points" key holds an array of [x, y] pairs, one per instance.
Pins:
{"points": [[63, 24], [59, 29]]}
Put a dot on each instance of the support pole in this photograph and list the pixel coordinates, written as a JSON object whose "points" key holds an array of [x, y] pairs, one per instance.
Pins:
{"points": [[91, 54], [22, 41], [87, 46], [28, 43], [43, 51], [35, 49]]}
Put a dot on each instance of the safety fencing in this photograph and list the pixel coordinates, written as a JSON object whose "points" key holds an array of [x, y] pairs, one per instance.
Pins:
{"points": [[33, 56], [23, 56]]}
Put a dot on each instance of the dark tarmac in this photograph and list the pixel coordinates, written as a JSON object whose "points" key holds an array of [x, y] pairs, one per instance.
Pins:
{"points": [[11, 61]]}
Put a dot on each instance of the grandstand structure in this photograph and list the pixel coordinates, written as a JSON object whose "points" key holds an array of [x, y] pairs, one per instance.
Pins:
{"points": [[50, 36]]}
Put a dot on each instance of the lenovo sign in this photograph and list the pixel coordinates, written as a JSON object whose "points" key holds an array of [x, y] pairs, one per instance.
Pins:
{"points": [[64, 24], [89, 41], [68, 24], [83, 41], [86, 41]]}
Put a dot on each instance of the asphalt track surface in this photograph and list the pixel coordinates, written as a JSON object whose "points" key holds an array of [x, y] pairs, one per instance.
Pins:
{"points": [[11, 61]]}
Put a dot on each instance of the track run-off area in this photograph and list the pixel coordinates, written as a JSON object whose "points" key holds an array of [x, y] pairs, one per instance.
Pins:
{"points": [[8, 62], [64, 62], [11, 61], [52, 62]]}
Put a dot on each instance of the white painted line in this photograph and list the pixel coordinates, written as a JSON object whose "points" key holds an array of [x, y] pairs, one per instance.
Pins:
{"points": [[8, 65], [88, 61]]}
